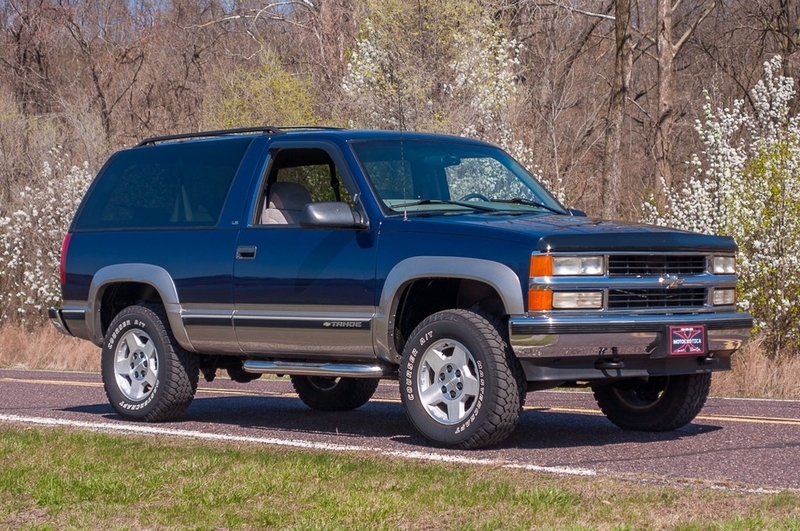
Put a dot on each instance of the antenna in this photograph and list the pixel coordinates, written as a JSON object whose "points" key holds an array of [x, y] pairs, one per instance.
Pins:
{"points": [[403, 169]]}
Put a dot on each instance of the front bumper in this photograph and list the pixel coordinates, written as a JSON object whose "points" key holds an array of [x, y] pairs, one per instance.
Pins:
{"points": [[555, 350], [558, 336]]}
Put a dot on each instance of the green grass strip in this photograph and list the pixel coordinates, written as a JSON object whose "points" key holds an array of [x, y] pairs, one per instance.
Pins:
{"points": [[63, 479]]}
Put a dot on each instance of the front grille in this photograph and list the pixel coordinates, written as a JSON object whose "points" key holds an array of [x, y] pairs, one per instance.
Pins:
{"points": [[656, 298], [646, 265]]}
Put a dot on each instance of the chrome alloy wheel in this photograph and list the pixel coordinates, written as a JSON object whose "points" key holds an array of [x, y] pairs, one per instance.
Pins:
{"points": [[448, 381], [136, 365]]}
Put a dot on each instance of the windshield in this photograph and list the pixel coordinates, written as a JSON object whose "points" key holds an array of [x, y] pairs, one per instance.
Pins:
{"points": [[425, 176]]}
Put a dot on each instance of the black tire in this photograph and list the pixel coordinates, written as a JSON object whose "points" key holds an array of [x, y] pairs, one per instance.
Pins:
{"points": [[661, 403], [334, 394], [146, 374], [459, 381]]}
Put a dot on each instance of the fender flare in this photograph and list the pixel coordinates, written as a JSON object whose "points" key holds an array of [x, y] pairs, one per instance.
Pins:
{"points": [[152, 275], [499, 276]]}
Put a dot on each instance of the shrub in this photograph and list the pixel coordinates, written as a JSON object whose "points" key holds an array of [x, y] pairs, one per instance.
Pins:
{"points": [[746, 184], [32, 228]]}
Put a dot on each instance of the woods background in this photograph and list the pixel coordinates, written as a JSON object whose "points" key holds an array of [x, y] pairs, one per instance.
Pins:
{"points": [[600, 99]]}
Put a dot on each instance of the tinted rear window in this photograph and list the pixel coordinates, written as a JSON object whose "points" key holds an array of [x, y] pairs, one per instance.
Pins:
{"points": [[163, 186]]}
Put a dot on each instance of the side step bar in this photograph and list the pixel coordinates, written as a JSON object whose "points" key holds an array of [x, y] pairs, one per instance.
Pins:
{"points": [[331, 370]]}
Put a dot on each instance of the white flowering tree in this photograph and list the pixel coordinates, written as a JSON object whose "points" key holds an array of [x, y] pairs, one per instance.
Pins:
{"points": [[746, 184], [32, 229], [453, 72]]}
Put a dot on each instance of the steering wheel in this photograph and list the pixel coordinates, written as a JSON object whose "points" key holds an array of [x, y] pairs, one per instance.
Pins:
{"points": [[474, 195]]}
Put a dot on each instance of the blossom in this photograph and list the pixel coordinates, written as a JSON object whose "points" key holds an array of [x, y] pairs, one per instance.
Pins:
{"points": [[31, 236], [746, 184]]}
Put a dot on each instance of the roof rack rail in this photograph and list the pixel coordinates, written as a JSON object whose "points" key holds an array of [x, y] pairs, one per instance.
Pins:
{"points": [[268, 129], [205, 134]]}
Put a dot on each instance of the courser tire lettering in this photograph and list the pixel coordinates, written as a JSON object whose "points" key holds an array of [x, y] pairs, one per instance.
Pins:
{"points": [[460, 383], [146, 374]]}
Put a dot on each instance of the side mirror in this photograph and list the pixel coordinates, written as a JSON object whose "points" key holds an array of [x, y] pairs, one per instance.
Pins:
{"points": [[331, 215], [576, 213]]}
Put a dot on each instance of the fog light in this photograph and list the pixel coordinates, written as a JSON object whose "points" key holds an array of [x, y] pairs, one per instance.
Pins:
{"points": [[724, 297], [580, 300]]}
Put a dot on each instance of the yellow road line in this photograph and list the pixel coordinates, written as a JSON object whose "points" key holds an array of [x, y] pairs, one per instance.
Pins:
{"points": [[52, 382]]}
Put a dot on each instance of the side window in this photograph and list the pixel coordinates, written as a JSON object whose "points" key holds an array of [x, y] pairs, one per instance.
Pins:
{"points": [[296, 177], [392, 179], [168, 185]]}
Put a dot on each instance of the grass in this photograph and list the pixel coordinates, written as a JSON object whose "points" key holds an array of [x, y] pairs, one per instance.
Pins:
{"points": [[45, 348], [61, 479]]}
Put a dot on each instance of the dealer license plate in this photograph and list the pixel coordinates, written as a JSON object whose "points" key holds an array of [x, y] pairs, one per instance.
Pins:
{"points": [[687, 340]]}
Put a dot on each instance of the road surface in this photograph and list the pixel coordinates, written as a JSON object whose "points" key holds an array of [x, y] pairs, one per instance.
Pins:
{"points": [[733, 444]]}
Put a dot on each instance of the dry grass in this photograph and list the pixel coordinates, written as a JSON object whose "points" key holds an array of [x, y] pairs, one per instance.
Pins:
{"points": [[45, 348], [753, 375]]}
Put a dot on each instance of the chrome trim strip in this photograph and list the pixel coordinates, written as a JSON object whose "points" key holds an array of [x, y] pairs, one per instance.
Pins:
{"points": [[328, 322], [331, 370], [211, 329], [605, 282]]}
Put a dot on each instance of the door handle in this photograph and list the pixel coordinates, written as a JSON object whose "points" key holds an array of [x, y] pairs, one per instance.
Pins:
{"points": [[246, 252]]}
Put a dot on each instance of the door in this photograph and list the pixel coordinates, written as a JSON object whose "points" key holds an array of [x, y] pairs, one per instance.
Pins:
{"points": [[298, 291]]}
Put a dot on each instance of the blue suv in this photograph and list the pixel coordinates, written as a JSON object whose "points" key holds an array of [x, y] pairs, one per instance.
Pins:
{"points": [[341, 257]]}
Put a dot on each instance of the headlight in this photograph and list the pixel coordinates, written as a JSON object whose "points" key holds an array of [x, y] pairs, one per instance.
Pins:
{"points": [[549, 265], [724, 265]]}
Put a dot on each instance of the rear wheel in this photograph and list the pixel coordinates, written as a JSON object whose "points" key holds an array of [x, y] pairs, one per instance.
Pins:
{"points": [[334, 394], [661, 403], [147, 375], [459, 381]]}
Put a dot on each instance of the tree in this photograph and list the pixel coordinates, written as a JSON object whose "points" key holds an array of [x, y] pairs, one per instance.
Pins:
{"points": [[666, 50], [746, 184], [623, 62]]}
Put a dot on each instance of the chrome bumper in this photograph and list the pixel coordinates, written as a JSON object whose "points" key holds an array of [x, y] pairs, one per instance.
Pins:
{"points": [[562, 336]]}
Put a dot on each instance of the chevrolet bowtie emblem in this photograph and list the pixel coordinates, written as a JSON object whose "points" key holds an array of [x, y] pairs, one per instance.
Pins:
{"points": [[670, 281]]}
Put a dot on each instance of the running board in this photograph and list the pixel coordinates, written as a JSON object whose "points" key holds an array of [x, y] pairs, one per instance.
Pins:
{"points": [[331, 370]]}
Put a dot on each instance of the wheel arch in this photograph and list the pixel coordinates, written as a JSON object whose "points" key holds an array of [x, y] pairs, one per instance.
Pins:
{"points": [[123, 284], [499, 278]]}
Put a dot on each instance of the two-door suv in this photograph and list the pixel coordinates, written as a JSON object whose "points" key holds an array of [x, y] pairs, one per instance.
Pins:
{"points": [[341, 257]]}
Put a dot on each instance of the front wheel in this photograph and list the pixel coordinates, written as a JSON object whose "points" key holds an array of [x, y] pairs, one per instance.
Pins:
{"points": [[334, 394], [459, 382], [661, 403], [147, 375]]}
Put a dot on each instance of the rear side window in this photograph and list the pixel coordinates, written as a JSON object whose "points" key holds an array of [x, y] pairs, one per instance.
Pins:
{"points": [[182, 184]]}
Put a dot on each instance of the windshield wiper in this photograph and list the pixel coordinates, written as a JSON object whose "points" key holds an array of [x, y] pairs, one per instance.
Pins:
{"points": [[465, 204], [528, 202]]}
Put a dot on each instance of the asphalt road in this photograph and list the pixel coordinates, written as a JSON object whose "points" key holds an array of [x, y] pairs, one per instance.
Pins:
{"points": [[733, 444]]}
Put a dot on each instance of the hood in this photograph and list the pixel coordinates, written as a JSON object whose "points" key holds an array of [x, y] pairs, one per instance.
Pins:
{"points": [[557, 233]]}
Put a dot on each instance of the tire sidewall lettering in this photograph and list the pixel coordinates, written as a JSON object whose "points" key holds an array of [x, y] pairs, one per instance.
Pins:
{"points": [[121, 328], [478, 401], [411, 374]]}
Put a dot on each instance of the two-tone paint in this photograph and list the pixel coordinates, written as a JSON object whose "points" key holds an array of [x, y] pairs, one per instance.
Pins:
{"points": [[292, 295]]}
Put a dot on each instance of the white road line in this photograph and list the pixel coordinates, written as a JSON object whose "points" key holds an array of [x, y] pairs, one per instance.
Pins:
{"points": [[291, 443]]}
